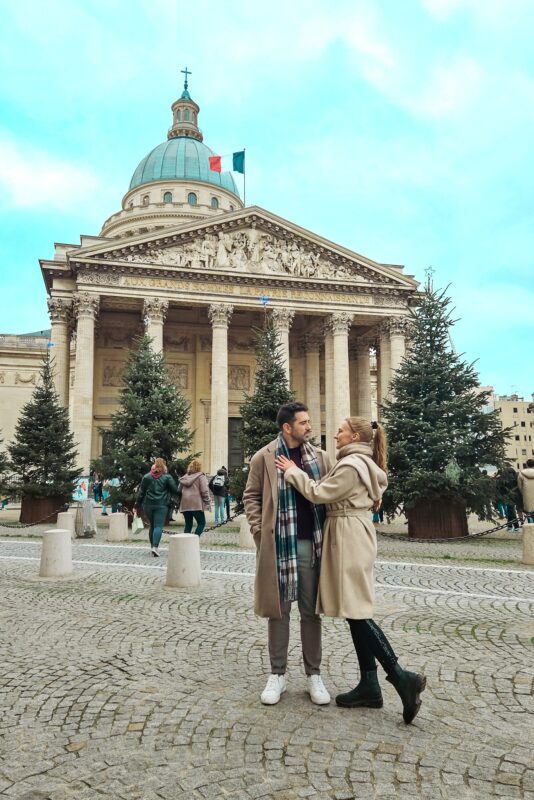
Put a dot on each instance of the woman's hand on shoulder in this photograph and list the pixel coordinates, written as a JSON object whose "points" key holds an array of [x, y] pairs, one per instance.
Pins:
{"points": [[283, 463]]}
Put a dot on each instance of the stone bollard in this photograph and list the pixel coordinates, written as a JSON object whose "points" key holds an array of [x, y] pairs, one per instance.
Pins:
{"points": [[118, 527], [56, 554], [183, 561], [528, 543], [65, 521], [246, 539]]}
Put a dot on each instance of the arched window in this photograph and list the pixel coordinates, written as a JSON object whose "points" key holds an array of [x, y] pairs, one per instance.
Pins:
{"points": [[178, 114], [214, 202], [192, 199], [186, 115], [146, 200], [231, 207], [130, 205], [167, 197]]}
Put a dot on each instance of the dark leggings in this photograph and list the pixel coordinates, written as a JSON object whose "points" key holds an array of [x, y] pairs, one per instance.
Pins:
{"points": [[200, 519], [370, 642]]}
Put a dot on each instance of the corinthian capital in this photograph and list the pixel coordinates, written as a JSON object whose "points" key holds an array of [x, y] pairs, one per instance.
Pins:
{"points": [[399, 325], [59, 309], [219, 314], [155, 309], [86, 304], [340, 322], [282, 318]]}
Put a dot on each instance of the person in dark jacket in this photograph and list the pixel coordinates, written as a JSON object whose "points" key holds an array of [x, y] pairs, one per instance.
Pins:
{"points": [[219, 487], [154, 496]]}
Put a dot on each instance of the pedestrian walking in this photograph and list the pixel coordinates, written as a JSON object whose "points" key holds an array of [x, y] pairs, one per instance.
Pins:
{"points": [[155, 496], [346, 586], [97, 487], [288, 533], [509, 496], [525, 482], [195, 500], [218, 486]]}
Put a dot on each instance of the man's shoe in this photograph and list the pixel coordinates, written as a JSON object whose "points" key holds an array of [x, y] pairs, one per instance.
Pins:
{"points": [[409, 686], [154, 551], [367, 693], [275, 687], [317, 690]]}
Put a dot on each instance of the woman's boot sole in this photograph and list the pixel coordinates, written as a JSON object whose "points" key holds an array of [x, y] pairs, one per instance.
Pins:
{"points": [[421, 686], [362, 704]]}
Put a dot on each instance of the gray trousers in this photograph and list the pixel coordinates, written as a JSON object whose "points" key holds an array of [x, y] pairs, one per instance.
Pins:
{"points": [[310, 622]]}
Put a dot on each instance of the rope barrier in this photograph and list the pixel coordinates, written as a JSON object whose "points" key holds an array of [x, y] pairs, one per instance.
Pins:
{"points": [[64, 507], [402, 537]]}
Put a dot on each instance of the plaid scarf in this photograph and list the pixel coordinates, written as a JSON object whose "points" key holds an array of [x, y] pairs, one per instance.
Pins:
{"points": [[286, 521]]}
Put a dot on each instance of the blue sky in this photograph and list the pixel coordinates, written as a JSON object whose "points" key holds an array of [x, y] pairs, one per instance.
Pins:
{"points": [[402, 130]]}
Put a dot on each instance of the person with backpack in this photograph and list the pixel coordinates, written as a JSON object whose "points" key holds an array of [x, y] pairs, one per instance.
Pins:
{"points": [[218, 486]]}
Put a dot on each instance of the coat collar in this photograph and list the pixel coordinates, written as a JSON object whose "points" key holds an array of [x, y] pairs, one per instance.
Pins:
{"points": [[270, 450]]}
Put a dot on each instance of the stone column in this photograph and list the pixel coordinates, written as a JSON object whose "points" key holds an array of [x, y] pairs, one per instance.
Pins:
{"points": [[340, 323], [86, 309], [154, 313], [330, 421], [59, 311], [312, 346], [282, 318], [353, 378], [364, 378], [219, 314], [384, 361], [397, 337]]}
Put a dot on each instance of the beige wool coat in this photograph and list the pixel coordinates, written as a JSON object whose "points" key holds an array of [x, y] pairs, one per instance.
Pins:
{"points": [[346, 583], [261, 503]]}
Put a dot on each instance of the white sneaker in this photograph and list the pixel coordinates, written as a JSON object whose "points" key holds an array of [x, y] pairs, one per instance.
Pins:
{"points": [[317, 690], [276, 685]]}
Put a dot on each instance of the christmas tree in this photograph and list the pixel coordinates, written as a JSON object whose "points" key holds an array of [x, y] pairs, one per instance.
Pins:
{"points": [[42, 453], [439, 431], [152, 422], [259, 409]]}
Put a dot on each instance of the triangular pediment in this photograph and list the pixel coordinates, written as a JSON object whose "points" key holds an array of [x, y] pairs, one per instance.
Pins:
{"points": [[250, 241]]}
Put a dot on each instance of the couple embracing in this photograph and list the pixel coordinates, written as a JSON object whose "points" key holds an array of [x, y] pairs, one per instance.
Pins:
{"points": [[316, 544]]}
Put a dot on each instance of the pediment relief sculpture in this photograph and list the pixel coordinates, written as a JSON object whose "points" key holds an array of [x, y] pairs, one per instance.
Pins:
{"points": [[253, 251]]}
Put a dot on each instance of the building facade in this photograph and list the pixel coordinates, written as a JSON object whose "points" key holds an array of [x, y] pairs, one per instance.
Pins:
{"points": [[518, 414], [186, 262]]}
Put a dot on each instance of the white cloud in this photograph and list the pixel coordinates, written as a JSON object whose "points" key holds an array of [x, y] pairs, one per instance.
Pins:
{"points": [[32, 178]]}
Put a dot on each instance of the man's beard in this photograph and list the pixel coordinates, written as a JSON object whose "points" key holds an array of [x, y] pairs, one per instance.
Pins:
{"points": [[303, 438]]}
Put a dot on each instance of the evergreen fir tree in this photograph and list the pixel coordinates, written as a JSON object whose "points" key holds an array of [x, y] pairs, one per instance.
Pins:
{"points": [[152, 422], [440, 434], [3, 468], [259, 409], [43, 453]]}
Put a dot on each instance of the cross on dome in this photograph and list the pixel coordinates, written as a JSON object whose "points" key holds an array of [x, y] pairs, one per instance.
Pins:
{"points": [[186, 72]]}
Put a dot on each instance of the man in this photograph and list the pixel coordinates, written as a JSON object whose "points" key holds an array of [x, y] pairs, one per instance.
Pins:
{"points": [[288, 532], [525, 482]]}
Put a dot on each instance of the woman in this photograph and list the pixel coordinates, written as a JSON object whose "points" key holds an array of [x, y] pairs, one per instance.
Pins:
{"points": [[154, 496], [346, 585], [195, 497]]}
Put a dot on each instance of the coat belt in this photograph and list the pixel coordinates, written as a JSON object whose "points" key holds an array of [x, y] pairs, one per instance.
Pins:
{"points": [[350, 512]]}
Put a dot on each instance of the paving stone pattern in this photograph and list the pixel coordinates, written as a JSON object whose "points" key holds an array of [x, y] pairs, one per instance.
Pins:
{"points": [[113, 686]]}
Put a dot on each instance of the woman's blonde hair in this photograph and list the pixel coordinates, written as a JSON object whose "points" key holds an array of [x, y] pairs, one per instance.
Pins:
{"points": [[160, 465], [194, 466], [371, 432]]}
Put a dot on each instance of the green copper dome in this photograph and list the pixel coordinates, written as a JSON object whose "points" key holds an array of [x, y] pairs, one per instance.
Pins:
{"points": [[182, 158]]}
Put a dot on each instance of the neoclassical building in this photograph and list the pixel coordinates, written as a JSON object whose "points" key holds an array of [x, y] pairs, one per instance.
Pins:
{"points": [[184, 260]]}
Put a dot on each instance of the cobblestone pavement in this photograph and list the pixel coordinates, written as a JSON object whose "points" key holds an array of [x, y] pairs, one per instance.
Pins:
{"points": [[114, 687]]}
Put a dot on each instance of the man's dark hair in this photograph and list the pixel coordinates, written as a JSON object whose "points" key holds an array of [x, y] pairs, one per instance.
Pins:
{"points": [[286, 413], [530, 461]]}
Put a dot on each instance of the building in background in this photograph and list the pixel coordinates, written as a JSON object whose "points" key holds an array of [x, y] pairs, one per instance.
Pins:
{"points": [[187, 262]]}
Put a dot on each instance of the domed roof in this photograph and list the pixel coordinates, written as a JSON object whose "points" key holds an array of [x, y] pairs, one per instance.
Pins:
{"points": [[181, 158]]}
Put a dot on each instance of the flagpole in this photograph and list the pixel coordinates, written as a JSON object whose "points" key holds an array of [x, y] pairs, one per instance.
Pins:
{"points": [[244, 178]]}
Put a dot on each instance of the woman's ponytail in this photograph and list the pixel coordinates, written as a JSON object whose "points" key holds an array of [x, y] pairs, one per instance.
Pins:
{"points": [[380, 447]]}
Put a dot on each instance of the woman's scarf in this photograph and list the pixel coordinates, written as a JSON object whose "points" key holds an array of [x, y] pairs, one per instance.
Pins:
{"points": [[286, 521]]}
